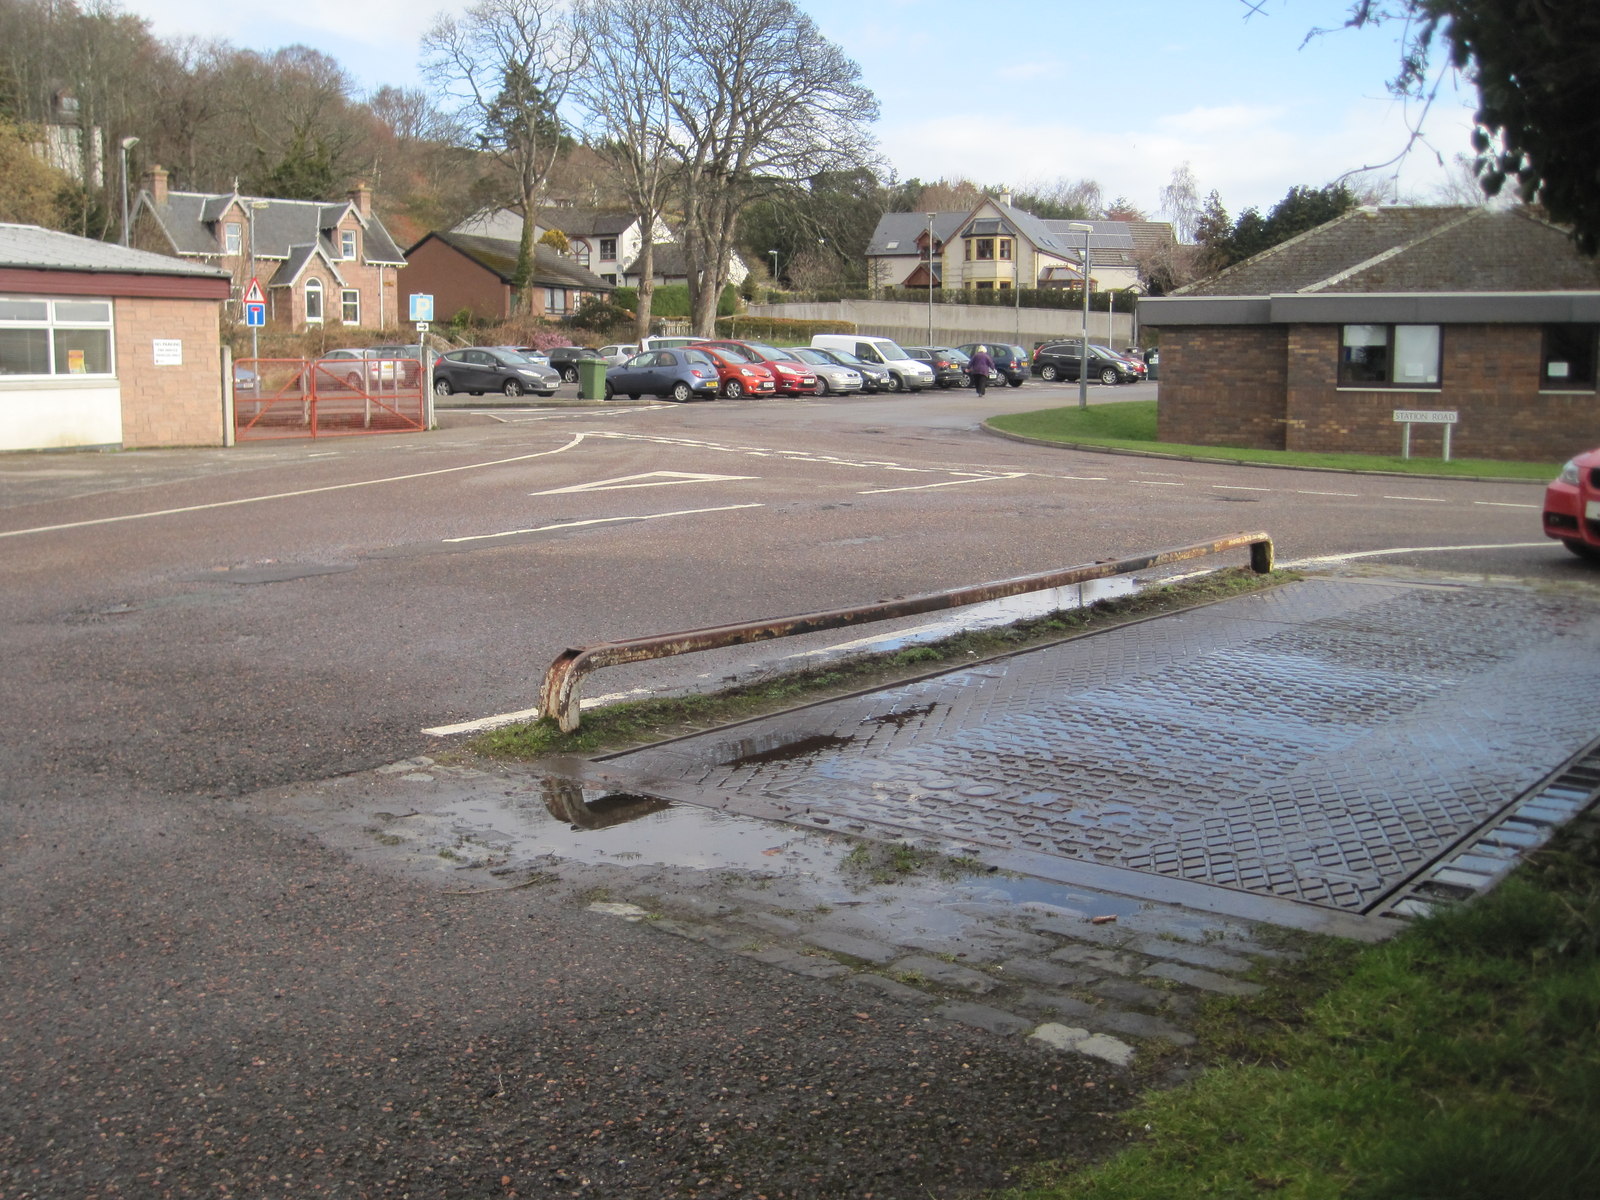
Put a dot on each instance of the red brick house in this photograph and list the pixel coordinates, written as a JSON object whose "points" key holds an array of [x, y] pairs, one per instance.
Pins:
{"points": [[1315, 344], [319, 262], [463, 272]]}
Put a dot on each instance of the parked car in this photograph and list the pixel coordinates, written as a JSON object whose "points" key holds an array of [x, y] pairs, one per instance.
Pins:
{"points": [[658, 341], [1572, 506], [948, 370], [1011, 363], [1152, 362], [618, 353], [792, 378], [369, 368], [680, 374], [739, 378], [1060, 360], [833, 378], [481, 369], [875, 377], [906, 374], [565, 360]]}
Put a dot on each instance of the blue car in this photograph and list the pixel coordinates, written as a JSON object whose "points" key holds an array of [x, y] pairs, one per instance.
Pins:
{"points": [[679, 374]]}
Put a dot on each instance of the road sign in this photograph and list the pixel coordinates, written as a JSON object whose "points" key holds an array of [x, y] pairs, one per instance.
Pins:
{"points": [[255, 314], [421, 307], [1425, 416], [253, 293], [422, 327]]}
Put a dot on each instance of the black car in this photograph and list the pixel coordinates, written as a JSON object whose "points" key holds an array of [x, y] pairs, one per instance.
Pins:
{"points": [[949, 365], [491, 369], [875, 377], [1012, 362], [1060, 360], [565, 360]]}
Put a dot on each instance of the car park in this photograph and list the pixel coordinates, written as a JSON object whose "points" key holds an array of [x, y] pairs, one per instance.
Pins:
{"points": [[791, 378], [1572, 506], [875, 377], [738, 378], [1061, 360], [948, 366], [906, 374], [833, 378], [681, 374], [1012, 363], [481, 369], [565, 360]]}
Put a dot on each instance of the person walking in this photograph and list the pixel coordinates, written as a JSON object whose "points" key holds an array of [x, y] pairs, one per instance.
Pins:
{"points": [[979, 367]]}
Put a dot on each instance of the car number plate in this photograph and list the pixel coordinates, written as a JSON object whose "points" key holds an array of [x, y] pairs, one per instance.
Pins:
{"points": [[1591, 510]]}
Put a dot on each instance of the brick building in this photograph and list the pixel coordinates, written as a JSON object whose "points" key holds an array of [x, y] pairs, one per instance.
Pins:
{"points": [[463, 272], [1314, 344], [105, 346], [319, 262]]}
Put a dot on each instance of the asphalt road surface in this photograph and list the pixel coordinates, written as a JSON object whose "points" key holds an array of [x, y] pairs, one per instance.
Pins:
{"points": [[197, 1002]]}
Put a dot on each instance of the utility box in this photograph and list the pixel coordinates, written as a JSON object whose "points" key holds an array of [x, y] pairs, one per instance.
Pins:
{"points": [[592, 378]]}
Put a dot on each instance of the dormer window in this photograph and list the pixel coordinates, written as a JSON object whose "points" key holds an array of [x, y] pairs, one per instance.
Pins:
{"points": [[347, 243], [232, 238]]}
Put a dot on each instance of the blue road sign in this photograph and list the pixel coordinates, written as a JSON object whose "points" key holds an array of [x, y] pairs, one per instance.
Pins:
{"points": [[255, 314]]}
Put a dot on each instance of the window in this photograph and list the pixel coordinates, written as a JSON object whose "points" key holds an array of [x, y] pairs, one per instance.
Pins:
{"points": [[350, 306], [232, 238], [555, 300], [1389, 356], [608, 249], [611, 279], [347, 243], [314, 300], [1005, 248], [1569, 353], [55, 337], [985, 249], [986, 285]]}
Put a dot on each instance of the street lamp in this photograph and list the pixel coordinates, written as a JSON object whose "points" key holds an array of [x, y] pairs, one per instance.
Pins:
{"points": [[774, 254], [128, 143], [1086, 229], [1134, 292], [930, 277]]}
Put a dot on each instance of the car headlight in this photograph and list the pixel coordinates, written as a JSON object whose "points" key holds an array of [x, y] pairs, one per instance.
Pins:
{"points": [[746, 371], [1569, 473]]}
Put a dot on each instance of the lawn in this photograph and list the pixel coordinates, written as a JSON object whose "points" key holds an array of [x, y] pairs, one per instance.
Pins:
{"points": [[1131, 425]]}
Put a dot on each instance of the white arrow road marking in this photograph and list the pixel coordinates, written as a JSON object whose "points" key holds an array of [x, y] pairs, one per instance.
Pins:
{"points": [[647, 479], [686, 512]]}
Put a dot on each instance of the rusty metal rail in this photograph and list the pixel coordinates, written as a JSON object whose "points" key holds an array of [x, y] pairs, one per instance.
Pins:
{"points": [[559, 696]]}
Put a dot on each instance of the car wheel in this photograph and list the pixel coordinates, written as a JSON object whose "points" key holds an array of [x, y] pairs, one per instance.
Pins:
{"points": [[1110, 376], [353, 381], [1049, 374], [608, 393], [633, 395], [512, 388], [570, 374], [733, 389], [1013, 383], [894, 384], [441, 387], [1582, 549], [682, 392], [941, 383], [822, 387]]}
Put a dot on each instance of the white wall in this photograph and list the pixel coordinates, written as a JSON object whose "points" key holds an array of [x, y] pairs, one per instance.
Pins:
{"points": [[51, 415]]}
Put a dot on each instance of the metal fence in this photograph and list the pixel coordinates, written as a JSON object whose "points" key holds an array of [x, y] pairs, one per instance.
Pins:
{"points": [[298, 398]]}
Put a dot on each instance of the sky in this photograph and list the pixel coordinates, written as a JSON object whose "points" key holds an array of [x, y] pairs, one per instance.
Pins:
{"points": [[1021, 93]]}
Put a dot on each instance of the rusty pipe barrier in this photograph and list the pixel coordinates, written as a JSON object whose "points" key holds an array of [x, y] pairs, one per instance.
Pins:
{"points": [[559, 695]]}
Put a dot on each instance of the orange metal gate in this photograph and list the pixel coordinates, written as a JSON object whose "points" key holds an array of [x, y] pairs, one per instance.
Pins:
{"points": [[297, 397]]}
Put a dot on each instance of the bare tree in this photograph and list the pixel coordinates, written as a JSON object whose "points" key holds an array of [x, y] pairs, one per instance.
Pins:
{"points": [[628, 112], [759, 99], [510, 64], [1180, 202]]}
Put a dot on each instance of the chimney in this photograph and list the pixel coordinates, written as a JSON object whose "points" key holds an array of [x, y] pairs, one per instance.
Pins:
{"points": [[1005, 198], [154, 181], [361, 197]]}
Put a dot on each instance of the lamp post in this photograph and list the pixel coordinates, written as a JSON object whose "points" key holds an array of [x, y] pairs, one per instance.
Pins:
{"points": [[774, 254], [1134, 292], [1086, 229], [127, 144], [251, 210], [930, 277]]}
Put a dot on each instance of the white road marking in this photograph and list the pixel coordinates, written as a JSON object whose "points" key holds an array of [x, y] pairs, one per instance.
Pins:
{"points": [[1504, 504], [1336, 558], [1155, 483], [647, 479], [316, 491], [1420, 499], [686, 512], [922, 487], [1234, 487], [528, 714], [1352, 495]]}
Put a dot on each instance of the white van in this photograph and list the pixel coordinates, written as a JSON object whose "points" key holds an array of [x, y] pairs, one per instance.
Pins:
{"points": [[906, 374], [666, 343]]}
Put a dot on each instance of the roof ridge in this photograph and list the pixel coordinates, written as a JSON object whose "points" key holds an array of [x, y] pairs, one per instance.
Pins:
{"points": [[1443, 227], [1233, 268]]}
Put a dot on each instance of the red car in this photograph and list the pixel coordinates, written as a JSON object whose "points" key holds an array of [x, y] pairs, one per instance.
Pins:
{"points": [[737, 378], [1572, 506], [793, 378]]}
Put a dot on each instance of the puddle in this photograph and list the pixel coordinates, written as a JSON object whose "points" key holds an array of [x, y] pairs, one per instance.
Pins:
{"points": [[788, 751], [902, 717]]}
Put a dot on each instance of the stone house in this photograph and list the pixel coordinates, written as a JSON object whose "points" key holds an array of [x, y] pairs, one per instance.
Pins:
{"points": [[1317, 343], [319, 262]]}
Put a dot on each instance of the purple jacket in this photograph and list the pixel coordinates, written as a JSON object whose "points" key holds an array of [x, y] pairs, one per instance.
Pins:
{"points": [[980, 364]]}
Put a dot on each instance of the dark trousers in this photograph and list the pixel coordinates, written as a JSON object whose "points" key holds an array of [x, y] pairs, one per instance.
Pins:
{"points": [[981, 382]]}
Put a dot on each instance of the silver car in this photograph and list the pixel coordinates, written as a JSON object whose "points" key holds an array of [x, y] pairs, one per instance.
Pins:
{"points": [[832, 378]]}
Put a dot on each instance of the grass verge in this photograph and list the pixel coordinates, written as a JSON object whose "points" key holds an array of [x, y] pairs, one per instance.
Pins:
{"points": [[1131, 425], [1459, 1061], [635, 722]]}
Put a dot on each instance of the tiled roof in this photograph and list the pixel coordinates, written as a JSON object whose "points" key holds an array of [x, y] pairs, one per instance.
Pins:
{"points": [[500, 256], [30, 247], [504, 224], [189, 220], [1110, 244], [1406, 249], [668, 261]]}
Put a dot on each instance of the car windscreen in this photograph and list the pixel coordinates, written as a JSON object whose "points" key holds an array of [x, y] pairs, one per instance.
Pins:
{"points": [[890, 350], [698, 358], [512, 357], [807, 355], [765, 353], [739, 354]]}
